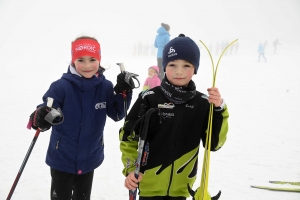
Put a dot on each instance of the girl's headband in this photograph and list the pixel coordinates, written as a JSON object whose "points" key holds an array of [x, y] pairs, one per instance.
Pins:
{"points": [[86, 47]]}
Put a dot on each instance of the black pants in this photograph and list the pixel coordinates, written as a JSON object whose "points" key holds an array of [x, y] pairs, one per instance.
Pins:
{"points": [[162, 198], [66, 186]]}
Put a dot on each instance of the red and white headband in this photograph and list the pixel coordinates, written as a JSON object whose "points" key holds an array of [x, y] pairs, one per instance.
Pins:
{"points": [[86, 47]]}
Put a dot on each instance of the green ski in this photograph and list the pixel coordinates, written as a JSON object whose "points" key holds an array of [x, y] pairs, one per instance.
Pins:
{"points": [[285, 182], [284, 189]]}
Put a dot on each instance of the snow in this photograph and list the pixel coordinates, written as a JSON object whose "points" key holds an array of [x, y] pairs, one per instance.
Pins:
{"points": [[262, 97]]}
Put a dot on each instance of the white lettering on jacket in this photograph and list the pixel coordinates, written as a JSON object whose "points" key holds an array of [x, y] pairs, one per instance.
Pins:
{"points": [[100, 105]]}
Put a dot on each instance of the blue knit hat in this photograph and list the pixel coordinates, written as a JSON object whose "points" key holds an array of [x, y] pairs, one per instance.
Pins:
{"points": [[183, 48]]}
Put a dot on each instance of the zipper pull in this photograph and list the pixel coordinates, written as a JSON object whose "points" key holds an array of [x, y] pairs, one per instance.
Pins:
{"points": [[57, 144]]}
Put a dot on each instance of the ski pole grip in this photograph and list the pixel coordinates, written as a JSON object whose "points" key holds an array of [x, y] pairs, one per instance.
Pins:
{"points": [[50, 102], [122, 67]]}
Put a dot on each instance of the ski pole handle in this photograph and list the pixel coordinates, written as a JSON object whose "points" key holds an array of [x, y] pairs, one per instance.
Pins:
{"points": [[122, 67], [50, 102]]}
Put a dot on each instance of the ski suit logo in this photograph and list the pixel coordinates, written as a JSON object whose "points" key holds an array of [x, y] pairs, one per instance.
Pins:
{"points": [[146, 93], [166, 105]]}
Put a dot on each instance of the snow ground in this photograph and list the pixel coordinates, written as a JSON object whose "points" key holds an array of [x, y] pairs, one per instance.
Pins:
{"points": [[262, 97]]}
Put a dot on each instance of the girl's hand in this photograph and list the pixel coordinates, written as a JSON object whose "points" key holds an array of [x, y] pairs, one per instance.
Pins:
{"points": [[131, 183], [214, 96]]}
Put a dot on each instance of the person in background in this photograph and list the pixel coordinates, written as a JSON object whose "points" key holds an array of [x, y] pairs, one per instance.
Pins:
{"points": [[275, 43], [261, 52], [170, 157], [161, 39], [152, 80], [83, 97]]}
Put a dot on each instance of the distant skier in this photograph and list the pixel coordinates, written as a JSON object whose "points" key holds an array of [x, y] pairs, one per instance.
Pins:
{"points": [[261, 52], [275, 43], [162, 38]]}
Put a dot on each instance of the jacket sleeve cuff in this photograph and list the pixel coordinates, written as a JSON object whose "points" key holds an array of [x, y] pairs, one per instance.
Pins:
{"points": [[221, 107]]}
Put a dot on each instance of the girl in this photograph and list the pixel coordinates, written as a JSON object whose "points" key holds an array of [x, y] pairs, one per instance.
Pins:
{"points": [[152, 80], [85, 98]]}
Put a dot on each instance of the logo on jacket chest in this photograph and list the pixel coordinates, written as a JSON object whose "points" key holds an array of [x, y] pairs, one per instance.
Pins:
{"points": [[166, 105], [100, 105]]}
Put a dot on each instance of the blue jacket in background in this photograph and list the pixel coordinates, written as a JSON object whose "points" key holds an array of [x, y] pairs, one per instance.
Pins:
{"points": [[76, 145], [161, 40]]}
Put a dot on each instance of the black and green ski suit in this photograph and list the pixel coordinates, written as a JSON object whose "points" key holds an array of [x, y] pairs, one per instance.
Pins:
{"points": [[170, 158]]}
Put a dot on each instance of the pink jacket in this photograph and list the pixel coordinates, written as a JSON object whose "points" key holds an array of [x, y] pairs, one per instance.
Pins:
{"points": [[151, 82]]}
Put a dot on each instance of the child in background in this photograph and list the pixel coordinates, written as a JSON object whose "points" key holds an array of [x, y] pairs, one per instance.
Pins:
{"points": [[170, 158], [84, 97], [153, 79]]}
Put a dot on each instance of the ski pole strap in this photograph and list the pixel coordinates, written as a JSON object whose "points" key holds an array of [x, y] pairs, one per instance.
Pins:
{"points": [[55, 116], [128, 76]]}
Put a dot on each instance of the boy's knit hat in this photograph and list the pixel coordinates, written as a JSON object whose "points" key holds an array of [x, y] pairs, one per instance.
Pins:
{"points": [[155, 68], [183, 48]]}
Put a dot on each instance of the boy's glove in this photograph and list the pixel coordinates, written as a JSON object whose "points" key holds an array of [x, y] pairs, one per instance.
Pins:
{"points": [[196, 194], [124, 82], [44, 117]]}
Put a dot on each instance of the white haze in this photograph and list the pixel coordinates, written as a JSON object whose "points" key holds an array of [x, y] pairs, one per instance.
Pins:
{"points": [[263, 97]]}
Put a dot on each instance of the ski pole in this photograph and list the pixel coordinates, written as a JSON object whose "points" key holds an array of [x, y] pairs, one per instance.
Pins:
{"points": [[143, 136], [122, 69], [49, 104], [128, 77]]}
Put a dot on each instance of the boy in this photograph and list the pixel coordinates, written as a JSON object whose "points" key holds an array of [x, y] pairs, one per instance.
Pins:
{"points": [[170, 158]]}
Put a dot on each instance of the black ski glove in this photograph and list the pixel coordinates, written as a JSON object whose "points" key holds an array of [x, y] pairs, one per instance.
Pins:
{"points": [[44, 117], [124, 83], [38, 118]]}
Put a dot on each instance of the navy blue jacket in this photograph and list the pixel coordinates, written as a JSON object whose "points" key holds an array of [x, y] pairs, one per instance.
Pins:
{"points": [[162, 38], [76, 145]]}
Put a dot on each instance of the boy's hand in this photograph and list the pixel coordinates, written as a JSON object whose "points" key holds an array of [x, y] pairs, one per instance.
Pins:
{"points": [[131, 183], [214, 96]]}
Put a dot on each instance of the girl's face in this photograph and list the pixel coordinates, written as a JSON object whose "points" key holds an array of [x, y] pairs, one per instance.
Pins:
{"points": [[86, 66], [180, 72], [151, 72]]}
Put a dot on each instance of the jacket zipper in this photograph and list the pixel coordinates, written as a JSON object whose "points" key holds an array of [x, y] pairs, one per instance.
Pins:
{"points": [[177, 116], [56, 147]]}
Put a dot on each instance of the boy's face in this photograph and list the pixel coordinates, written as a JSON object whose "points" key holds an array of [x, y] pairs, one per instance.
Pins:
{"points": [[151, 72], [86, 66], [180, 72]]}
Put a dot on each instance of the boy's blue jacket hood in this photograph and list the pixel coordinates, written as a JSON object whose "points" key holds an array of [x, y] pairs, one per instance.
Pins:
{"points": [[76, 145], [162, 38]]}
